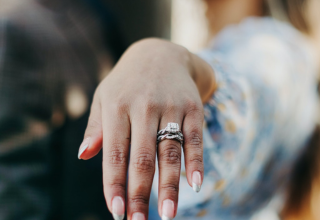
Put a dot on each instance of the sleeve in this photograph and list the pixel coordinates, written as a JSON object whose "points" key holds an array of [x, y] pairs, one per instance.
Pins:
{"points": [[254, 127], [24, 153]]}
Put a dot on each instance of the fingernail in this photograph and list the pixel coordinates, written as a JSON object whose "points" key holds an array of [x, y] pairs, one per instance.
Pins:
{"points": [[83, 147], [196, 181], [167, 210], [138, 216], [117, 208]]}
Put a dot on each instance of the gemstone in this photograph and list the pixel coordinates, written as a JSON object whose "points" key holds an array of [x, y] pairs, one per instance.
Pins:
{"points": [[172, 127]]}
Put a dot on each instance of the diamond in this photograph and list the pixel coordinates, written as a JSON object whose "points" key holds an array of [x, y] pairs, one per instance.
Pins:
{"points": [[172, 127]]}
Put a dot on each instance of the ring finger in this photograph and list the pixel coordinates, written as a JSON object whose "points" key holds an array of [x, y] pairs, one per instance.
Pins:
{"points": [[169, 157]]}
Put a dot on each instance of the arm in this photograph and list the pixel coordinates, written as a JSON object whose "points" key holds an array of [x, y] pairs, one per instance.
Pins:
{"points": [[257, 120]]}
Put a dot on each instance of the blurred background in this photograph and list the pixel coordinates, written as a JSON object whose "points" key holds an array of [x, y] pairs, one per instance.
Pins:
{"points": [[53, 53]]}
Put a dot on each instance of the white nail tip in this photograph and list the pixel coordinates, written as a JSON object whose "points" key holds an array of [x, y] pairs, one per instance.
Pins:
{"points": [[196, 187], [166, 218], [118, 217], [82, 150]]}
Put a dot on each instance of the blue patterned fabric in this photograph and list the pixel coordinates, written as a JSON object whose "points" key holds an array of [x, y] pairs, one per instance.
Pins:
{"points": [[257, 121]]}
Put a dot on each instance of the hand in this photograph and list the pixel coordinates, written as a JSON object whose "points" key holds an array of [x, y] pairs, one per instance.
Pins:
{"points": [[152, 84]]}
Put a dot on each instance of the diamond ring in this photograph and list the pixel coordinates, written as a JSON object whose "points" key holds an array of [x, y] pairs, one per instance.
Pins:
{"points": [[170, 132]]}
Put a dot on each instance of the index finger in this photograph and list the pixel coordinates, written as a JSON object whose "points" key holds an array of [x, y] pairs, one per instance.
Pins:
{"points": [[116, 140]]}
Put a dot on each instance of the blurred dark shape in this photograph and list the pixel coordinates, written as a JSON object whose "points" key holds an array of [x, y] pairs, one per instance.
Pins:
{"points": [[302, 196], [300, 200], [52, 55], [296, 10], [140, 18]]}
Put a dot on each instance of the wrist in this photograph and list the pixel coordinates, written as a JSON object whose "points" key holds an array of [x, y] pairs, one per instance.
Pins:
{"points": [[204, 77], [164, 51]]}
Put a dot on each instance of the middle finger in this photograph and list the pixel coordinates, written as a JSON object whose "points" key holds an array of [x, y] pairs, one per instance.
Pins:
{"points": [[142, 164]]}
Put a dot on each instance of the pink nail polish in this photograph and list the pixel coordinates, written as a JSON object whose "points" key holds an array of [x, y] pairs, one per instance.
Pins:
{"points": [[167, 210], [118, 208], [138, 216], [83, 147], [196, 181]]}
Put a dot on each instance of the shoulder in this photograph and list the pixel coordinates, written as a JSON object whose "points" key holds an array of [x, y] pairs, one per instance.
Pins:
{"points": [[265, 35], [263, 46]]}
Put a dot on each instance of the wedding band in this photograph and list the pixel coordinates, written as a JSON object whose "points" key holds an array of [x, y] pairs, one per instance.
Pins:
{"points": [[170, 132]]}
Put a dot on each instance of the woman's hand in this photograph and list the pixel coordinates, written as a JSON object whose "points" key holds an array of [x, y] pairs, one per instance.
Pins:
{"points": [[153, 84]]}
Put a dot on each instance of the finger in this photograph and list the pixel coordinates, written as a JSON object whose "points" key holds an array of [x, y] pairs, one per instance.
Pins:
{"points": [[193, 146], [169, 158], [142, 164], [92, 141], [116, 140]]}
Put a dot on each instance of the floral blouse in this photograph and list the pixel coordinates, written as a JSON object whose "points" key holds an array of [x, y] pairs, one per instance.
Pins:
{"points": [[257, 121]]}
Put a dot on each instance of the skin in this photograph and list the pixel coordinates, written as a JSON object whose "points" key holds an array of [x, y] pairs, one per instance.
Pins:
{"points": [[309, 209], [140, 96], [222, 13], [155, 82]]}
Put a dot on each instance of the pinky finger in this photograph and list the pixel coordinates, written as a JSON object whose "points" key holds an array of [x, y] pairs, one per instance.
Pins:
{"points": [[193, 148]]}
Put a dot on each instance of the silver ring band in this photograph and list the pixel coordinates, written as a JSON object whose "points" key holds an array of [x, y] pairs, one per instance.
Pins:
{"points": [[171, 132]]}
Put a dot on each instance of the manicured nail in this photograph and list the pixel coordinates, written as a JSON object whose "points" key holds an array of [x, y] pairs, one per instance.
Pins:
{"points": [[117, 208], [138, 216], [196, 181], [83, 147], [167, 210]]}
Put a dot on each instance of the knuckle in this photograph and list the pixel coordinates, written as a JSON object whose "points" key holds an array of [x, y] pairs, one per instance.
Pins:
{"points": [[150, 108], [172, 188], [171, 153], [141, 187], [117, 155], [171, 107], [194, 109], [196, 159], [119, 107], [194, 139], [144, 162], [115, 186], [193, 106], [139, 200]]}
